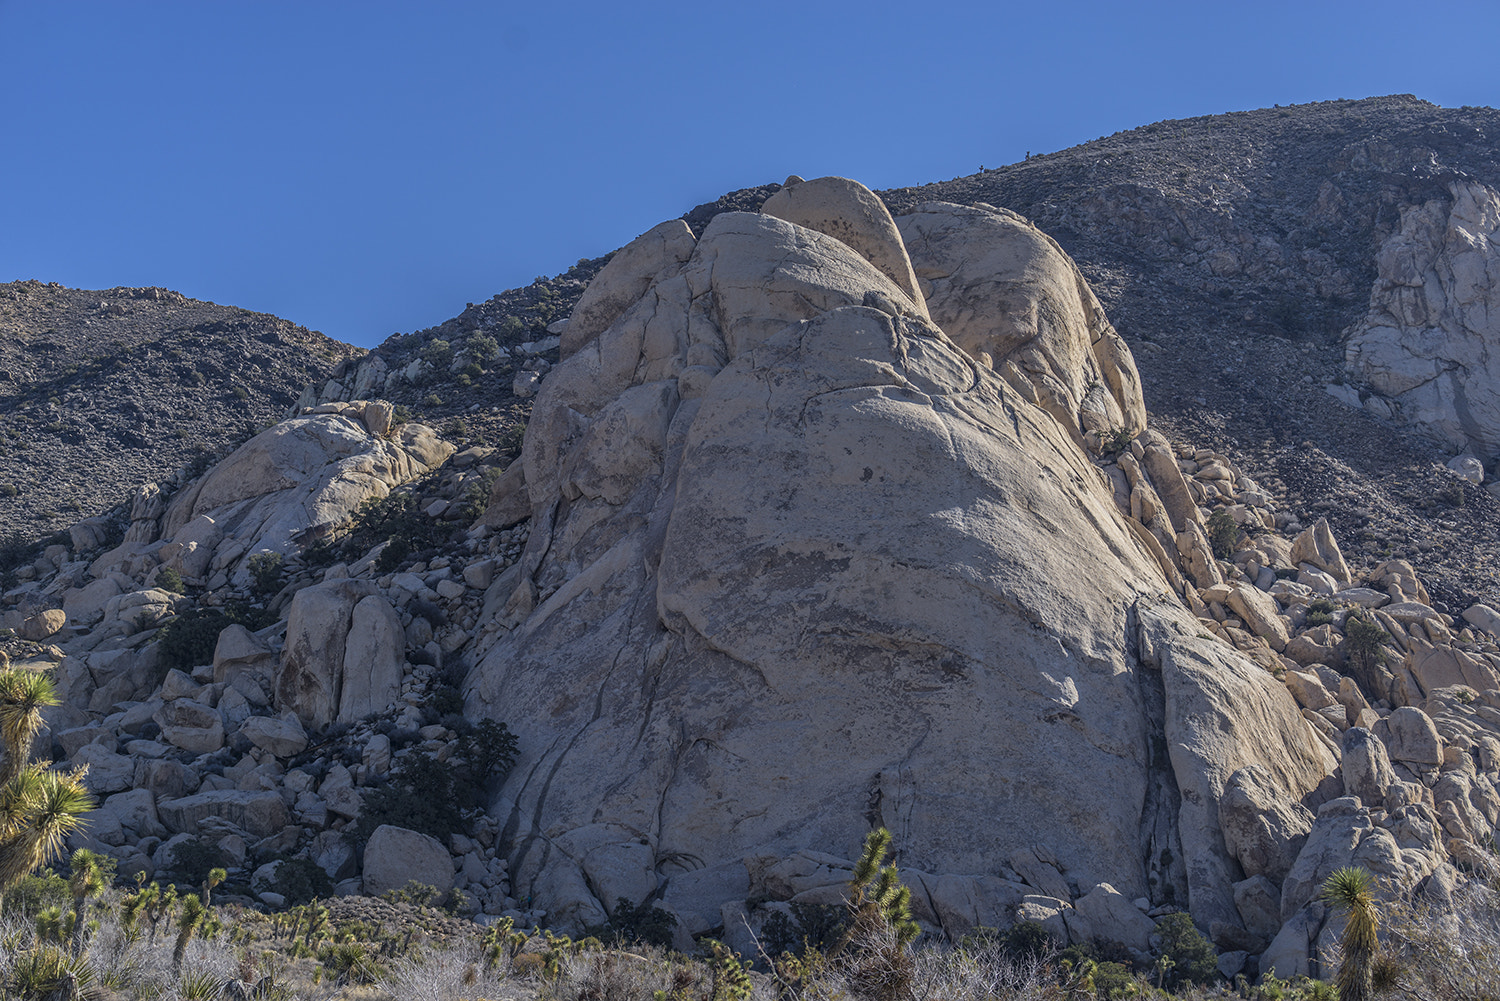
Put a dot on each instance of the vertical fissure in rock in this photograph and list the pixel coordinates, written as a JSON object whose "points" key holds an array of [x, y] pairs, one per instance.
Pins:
{"points": [[1160, 839]]}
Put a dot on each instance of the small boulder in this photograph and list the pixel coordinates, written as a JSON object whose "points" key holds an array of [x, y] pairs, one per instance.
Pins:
{"points": [[1367, 768], [1113, 918], [257, 813], [191, 726], [1411, 737], [42, 624], [281, 736]]}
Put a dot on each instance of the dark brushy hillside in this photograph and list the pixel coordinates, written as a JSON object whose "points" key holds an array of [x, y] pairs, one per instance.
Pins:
{"points": [[100, 391]]}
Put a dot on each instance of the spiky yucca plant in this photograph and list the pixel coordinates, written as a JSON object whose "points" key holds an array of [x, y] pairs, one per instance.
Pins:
{"points": [[89, 878], [39, 807], [875, 950], [1351, 892]]}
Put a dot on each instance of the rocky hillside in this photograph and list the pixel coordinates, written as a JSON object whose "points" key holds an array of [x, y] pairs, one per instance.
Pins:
{"points": [[814, 484], [1239, 255], [104, 390]]}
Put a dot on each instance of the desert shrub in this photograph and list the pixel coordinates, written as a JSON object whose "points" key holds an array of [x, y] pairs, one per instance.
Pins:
{"points": [[445, 700], [483, 348], [397, 549], [301, 881], [397, 519], [438, 353], [1441, 952], [1223, 534], [629, 923], [432, 400], [1194, 958], [1026, 941], [414, 893], [438, 798], [1320, 612], [811, 927], [32, 894], [265, 573], [512, 326], [194, 859], [168, 579], [1364, 641], [189, 640], [1116, 440]]}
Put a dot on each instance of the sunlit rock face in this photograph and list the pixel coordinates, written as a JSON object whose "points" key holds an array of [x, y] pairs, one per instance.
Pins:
{"points": [[804, 561]]}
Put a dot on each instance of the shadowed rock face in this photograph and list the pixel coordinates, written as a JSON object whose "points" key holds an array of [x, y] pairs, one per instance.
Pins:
{"points": [[800, 565]]}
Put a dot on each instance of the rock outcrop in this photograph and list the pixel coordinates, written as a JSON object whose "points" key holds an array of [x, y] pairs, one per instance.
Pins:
{"points": [[803, 521], [1429, 342], [283, 489]]}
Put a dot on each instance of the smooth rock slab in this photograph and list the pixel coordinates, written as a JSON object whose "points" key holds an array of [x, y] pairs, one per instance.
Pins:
{"points": [[395, 856]]}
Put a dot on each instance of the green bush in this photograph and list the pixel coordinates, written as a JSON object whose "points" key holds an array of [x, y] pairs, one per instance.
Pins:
{"points": [[1320, 612], [168, 579], [1223, 534], [437, 353], [397, 549], [32, 894], [396, 519], [1116, 440], [483, 348], [301, 880], [1194, 958], [438, 798], [629, 923], [194, 859], [265, 573], [1027, 942], [1364, 642], [189, 639]]}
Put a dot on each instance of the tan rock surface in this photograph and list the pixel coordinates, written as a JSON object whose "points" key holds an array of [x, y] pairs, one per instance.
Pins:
{"points": [[778, 517], [852, 214], [294, 481]]}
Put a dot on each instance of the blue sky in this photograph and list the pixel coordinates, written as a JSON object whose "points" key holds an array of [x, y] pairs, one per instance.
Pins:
{"points": [[365, 168]]}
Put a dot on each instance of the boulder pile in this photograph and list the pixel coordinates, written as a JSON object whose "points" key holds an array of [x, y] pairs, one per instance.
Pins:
{"points": [[824, 520]]}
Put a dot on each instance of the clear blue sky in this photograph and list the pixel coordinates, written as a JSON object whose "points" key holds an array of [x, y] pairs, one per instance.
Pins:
{"points": [[365, 168]]}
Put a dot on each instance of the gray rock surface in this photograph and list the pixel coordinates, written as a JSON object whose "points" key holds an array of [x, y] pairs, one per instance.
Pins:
{"points": [[850, 602], [395, 856]]}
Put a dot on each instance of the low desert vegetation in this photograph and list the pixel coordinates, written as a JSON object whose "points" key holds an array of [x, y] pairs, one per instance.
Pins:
{"points": [[71, 937]]}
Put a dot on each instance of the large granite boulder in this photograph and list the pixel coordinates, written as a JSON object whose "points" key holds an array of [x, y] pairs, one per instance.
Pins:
{"points": [[343, 655], [780, 517], [285, 487]]}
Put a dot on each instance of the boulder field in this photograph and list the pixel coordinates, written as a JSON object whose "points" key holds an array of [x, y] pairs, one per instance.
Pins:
{"points": [[824, 520]]}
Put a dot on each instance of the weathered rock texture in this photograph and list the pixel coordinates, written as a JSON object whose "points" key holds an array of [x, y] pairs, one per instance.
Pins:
{"points": [[781, 518], [284, 488], [1431, 341]]}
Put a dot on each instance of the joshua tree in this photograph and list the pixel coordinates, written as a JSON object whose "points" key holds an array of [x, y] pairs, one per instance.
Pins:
{"points": [[89, 877], [188, 921], [213, 879], [1351, 891], [39, 806], [881, 926]]}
